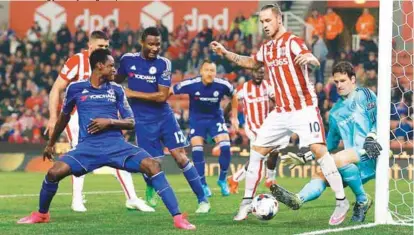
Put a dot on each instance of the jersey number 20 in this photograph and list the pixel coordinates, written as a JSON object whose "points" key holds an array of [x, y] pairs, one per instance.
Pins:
{"points": [[221, 127]]}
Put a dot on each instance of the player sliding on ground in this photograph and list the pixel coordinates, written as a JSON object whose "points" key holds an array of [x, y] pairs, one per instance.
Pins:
{"points": [[149, 80], [287, 59], [258, 98], [77, 68], [206, 118], [101, 142], [352, 119]]}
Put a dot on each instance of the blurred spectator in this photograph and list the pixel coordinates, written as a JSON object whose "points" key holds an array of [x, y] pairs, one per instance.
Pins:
{"points": [[334, 27], [372, 63], [114, 34], [181, 32], [63, 35], [206, 34], [317, 22], [164, 34], [193, 64], [404, 130], [365, 25], [320, 51], [286, 5]]}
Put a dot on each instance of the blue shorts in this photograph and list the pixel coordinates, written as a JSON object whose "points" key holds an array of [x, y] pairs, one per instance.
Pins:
{"points": [[154, 136], [204, 127], [116, 153]]}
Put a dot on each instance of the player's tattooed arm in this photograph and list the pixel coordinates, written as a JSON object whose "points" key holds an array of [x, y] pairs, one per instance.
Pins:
{"points": [[242, 61], [160, 96]]}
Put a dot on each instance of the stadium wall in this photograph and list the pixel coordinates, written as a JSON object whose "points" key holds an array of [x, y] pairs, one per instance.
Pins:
{"points": [[16, 157]]}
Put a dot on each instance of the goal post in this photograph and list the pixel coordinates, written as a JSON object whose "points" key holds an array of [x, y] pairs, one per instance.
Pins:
{"points": [[383, 110], [394, 192]]}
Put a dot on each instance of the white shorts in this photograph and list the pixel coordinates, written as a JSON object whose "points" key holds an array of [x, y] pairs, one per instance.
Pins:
{"points": [[278, 127], [72, 129]]}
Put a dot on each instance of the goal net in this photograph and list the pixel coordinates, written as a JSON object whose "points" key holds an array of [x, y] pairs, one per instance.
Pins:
{"points": [[394, 184]]}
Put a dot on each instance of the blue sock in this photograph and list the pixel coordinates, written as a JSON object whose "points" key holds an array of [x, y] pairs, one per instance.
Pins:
{"points": [[352, 177], [47, 193], [312, 190], [224, 159], [147, 180], [199, 163], [192, 177], [161, 185]]}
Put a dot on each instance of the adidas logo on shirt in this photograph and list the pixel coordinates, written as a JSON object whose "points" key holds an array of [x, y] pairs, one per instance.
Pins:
{"points": [[133, 67], [85, 91]]}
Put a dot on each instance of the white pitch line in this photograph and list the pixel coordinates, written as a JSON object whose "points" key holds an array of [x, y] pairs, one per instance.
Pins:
{"points": [[89, 193], [335, 230]]}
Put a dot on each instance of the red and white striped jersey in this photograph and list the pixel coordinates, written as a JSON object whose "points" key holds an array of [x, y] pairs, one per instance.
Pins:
{"points": [[292, 88], [256, 103], [77, 67]]}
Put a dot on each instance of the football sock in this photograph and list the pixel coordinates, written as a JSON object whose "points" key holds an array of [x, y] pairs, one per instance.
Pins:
{"points": [[192, 177], [312, 190], [253, 174], [330, 171], [47, 193], [271, 174], [199, 163], [240, 174], [166, 193], [147, 180], [224, 159], [125, 178], [77, 187]]}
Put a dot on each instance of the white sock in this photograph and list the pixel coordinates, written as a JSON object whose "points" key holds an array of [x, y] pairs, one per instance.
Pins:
{"points": [[253, 174], [271, 174], [125, 178], [240, 174], [330, 171], [77, 187]]}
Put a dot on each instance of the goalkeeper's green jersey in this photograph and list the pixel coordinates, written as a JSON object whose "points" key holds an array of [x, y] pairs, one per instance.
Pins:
{"points": [[352, 118]]}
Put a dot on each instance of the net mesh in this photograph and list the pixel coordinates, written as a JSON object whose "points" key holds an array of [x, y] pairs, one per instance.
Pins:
{"points": [[401, 139]]}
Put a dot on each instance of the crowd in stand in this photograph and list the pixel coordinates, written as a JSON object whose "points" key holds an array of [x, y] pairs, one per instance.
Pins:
{"points": [[29, 66]]}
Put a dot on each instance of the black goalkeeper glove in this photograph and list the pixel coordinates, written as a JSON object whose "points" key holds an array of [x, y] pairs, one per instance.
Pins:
{"points": [[371, 146]]}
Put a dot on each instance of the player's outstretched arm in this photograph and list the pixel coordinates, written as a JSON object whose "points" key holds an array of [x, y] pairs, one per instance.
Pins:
{"points": [[54, 97], [160, 96], [242, 61]]}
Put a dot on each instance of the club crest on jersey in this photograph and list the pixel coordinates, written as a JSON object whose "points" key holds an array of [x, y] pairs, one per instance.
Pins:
{"points": [[153, 70], [216, 93], [111, 92], [166, 75]]}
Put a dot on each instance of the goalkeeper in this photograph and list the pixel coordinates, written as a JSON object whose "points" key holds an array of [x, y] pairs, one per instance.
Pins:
{"points": [[352, 119]]}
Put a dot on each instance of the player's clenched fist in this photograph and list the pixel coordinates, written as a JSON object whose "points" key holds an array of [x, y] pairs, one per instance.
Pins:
{"points": [[48, 152], [218, 48]]}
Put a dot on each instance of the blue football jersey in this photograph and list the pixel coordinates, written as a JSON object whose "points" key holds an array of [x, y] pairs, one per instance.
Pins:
{"points": [[145, 76], [204, 99], [92, 103], [351, 119]]}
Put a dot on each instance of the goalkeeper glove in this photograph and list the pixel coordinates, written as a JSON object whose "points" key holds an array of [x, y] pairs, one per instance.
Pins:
{"points": [[292, 159], [371, 146]]}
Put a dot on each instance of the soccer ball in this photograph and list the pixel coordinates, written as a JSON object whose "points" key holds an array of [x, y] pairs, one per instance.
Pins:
{"points": [[265, 206]]}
